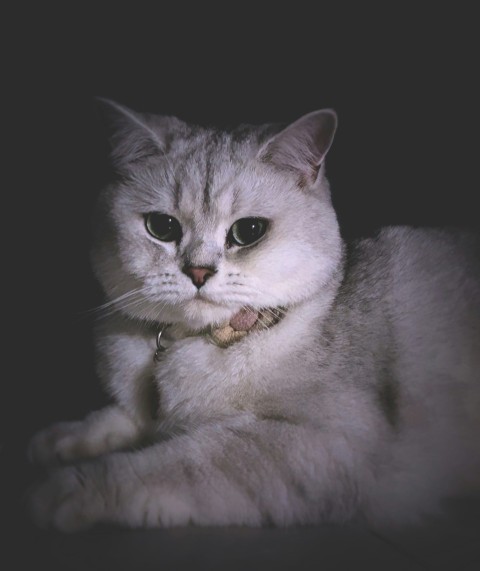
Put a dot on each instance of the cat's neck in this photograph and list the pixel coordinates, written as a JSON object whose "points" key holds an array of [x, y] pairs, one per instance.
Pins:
{"points": [[313, 309], [243, 323]]}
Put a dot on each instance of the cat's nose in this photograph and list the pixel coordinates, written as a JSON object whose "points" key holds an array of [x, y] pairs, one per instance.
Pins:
{"points": [[199, 275]]}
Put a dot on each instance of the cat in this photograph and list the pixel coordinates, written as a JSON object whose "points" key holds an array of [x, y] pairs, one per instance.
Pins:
{"points": [[261, 370]]}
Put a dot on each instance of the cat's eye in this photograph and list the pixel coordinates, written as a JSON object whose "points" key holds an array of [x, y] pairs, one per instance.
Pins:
{"points": [[163, 227], [246, 231]]}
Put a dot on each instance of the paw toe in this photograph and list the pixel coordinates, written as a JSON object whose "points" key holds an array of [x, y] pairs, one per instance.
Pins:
{"points": [[60, 502]]}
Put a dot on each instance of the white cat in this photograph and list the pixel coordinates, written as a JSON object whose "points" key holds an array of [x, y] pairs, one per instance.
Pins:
{"points": [[262, 371]]}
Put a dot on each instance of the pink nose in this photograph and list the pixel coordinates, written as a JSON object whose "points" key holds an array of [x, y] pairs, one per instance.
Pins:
{"points": [[198, 275]]}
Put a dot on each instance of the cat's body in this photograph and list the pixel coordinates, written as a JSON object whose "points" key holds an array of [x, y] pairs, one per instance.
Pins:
{"points": [[360, 398]]}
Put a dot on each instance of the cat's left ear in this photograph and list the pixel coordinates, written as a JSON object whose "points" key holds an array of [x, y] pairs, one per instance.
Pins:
{"points": [[132, 135], [302, 146]]}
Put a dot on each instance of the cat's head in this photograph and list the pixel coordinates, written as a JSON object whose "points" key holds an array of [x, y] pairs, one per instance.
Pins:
{"points": [[201, 223]]}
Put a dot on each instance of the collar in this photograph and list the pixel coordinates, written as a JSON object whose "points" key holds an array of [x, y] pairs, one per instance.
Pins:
{"points": [[228, 333]]}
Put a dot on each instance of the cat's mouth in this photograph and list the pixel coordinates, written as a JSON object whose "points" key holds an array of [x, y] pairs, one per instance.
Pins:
{"points": [[214, 302], [199, 296]]}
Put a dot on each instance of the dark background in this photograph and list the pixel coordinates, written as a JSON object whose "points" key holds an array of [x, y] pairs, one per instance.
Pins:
{"points": [[404, 85]]}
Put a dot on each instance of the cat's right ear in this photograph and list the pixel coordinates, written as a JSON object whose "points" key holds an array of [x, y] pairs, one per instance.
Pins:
{"points": [[131, 134], [302, 146]]}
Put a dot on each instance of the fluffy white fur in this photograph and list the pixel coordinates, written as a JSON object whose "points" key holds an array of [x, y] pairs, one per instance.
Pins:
{"points": [[361, 403]]}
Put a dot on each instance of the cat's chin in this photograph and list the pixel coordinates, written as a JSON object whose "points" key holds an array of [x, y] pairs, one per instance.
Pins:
{"points": [[195, 314], [201, 312]]}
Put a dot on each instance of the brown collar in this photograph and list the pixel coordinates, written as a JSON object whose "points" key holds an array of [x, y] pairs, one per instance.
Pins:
{"points": [[239, 326], [244, 322]]}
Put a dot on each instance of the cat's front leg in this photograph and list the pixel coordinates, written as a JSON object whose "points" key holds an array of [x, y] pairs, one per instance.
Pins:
{"points": [[217, 476], [101, 431], [154, 487]]}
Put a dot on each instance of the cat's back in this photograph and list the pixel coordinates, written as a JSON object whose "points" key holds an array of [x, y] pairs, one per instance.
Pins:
{"points": [[415, 292], [434, 273], [426, 296], [417, 267], [414, 309]]}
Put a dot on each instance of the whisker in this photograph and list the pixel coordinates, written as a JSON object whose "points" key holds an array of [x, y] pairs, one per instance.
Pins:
{"points": [[112, 302], [275, 312], [120, 307], [270, 316], [261, 320]]}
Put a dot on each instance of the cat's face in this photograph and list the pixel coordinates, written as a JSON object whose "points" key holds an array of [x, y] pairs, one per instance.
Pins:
{"points": [[209, 224]]}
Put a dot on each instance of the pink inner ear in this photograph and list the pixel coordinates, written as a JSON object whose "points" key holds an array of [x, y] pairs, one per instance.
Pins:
{"points": [[302, 146], [244, 320]]}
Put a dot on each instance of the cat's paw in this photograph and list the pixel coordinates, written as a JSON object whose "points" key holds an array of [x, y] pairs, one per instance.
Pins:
{"points": [[68, 500], [61, 443], [101, 431]]}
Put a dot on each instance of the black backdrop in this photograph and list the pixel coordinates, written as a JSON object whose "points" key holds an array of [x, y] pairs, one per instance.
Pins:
{"points": [[403, 82]]}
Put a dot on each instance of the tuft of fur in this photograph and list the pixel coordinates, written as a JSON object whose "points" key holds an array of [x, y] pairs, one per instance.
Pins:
{"points": [[362, 402]]}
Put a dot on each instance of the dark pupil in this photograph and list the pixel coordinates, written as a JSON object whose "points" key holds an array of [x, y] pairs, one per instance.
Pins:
{"points": [[247, 230], [163, 227]]}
